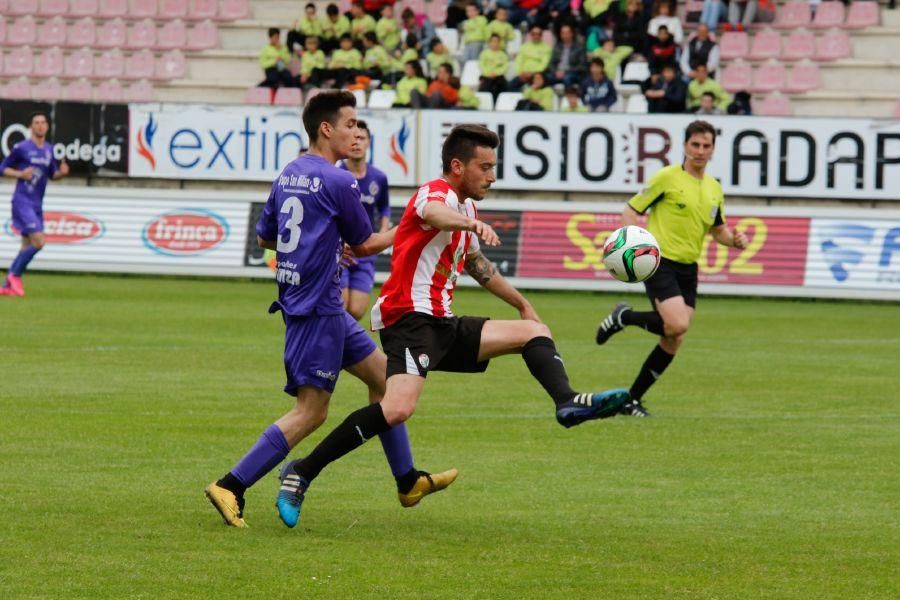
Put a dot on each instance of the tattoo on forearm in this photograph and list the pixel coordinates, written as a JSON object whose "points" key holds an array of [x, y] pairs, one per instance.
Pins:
{"points": [[480, 269]]}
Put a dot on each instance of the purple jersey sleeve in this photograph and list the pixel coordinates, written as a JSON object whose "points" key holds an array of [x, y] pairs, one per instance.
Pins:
{"points": [[351, 218], [267, 226], [54, 166], [383, 201], [13, 160]]}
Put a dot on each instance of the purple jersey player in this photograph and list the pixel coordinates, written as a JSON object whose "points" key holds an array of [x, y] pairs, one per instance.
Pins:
{"points": [[31, 162], [314, 209], [358, 277]]}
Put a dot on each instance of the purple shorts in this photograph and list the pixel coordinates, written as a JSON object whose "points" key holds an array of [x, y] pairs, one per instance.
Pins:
{"points": [[317, 348], [359, 277], [26, 218]]}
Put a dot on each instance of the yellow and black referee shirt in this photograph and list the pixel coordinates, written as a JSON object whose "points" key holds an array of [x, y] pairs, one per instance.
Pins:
{"points": [[682, 209]]}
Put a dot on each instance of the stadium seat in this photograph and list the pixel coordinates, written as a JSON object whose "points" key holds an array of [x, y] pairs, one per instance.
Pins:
{"points": [[471, 74], [52, 8], [258, 95], [143, 9], [897, 111], [637, 105], [766, 44], [617, 107], [47, 89], [83, 8], [51, 32], [3, 5], [79, 91], [862, 14], [81, 33], [828, 14], [547, 37], [19, 62], [512, 48], [832, 46], [734, 44], [737, 77], [636, 72], [141, 35], [109, 91], [231, 10], [21, 32], [312, 93], [436, 11], [203, 36], [50, 63], [172, 9], [803, 78], [140, 65], [140, 91], [2, 28], [792, 14], [799, 45], [485, 100], [110, 9], [171, 35], [360, 96], [693, 7], [450, 37], [769, 77], [288, 97], [199, 10], [17, 8], [774, 105], [16, 89], [506, 101], [379, 98], [79, 64], [109, 65], [112, 34], [171, 65]]}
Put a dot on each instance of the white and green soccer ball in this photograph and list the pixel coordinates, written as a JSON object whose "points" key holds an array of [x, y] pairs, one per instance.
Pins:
{"points": [[631, 254]]}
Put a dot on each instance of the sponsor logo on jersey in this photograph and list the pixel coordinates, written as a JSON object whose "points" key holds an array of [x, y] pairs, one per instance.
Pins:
{"points": [[185, 232]]}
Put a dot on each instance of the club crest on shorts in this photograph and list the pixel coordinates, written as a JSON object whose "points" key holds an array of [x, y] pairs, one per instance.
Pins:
{"points": [[424, 360]]}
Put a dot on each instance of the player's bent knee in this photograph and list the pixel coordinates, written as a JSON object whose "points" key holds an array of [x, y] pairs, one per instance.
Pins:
{"points": [[533, 329], [396, 412]]}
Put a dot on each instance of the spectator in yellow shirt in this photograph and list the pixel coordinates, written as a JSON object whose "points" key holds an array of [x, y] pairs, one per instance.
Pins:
{"points": [[438, 56], [467, 98], [534, 57], [493, 63], [274, 59], [333, 27], [376, 62], [307, 25], [360, 23], [572, 102], [501, 27], [475, 32], [312, 63], [346, 62], [388, 29], [413, 79], [537, 96]]}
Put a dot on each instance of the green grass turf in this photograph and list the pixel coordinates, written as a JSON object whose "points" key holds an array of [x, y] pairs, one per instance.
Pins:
{"points": [[769, 470]]}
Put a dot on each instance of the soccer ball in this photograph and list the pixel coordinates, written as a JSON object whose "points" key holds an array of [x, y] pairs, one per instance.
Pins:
{"points": [[631, 254]]}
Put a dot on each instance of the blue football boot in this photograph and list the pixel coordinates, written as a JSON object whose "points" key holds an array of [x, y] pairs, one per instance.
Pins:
{"points": [[290, 495], [586, 407]]}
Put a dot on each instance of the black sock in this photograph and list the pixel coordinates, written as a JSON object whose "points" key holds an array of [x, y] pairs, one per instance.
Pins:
{"points": [[547, 367], [406, 482], [650, 320], [232, 484], [652, 369], [358, 428]]}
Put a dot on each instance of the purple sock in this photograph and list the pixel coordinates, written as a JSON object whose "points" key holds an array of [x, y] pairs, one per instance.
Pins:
{"points": [[270, 449], [395, 442], [21, 261]]}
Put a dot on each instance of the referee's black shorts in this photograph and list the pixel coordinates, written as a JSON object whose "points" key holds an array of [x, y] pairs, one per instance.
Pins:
{"points": [[418, 343], [673, 279]]}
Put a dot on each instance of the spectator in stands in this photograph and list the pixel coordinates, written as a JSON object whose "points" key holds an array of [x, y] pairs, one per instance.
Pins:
{"points": [[712, 13], [308, 24], [661, 50], [740, 14], [274, 59], [493, 63], [630, 28], [524, 11], [402, 56], [568, 62], [333, 27], [500, 26], [424, 31], [664, 14], [439, 94], [703, 84], [572, 101], [533, 57], [467, 98], [708, 105], [597, 14], [456, 13], [360, 23], [377, 63], [612, 56], [388, 29], [373, 7], [474, 32], [346, 62], [537, 96], [597, 91], [437, 56], [312, 63], [741, 104], [700, 50], [413, 79], [666, 93], [552, 14]]}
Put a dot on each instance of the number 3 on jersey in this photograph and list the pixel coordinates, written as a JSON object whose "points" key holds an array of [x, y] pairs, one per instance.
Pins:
{"points": [[293, 206]]}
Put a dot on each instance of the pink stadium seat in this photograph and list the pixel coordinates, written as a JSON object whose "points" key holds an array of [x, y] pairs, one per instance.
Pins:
{"points": [[312, 93], [203, 9], [81, 33], [49, 63], [140, 65], [2, 28], [78, 91], [173, 9], [17, 89], [737, 77], [203, 36], [171, 35], [51, 32], [897, 111], [258, 95], [828, 14], [171, 65], [436, 11], [112, 34], [18, 62], [230, 10], [734, 44], [547, 37], [21, 32], [52, 8], [803, 78], [141, 35], [418, 6], [768, 78], [288, 97], [3, 7], [832, 46], [766, 44], [16, 8], [799, 45], [47, 89], [140, 91], [109, 91], [110, 9], [775, 105], [792, 14], [79, 64], [83, 8], [143, 9], [863, 13], [109, 65]]}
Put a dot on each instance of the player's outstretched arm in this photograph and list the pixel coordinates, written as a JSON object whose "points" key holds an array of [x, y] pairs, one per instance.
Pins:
{"points": [[728, 237], [441, 217], [629, 216], [482, 270], [62, 171], [375, 243], [17, 174]]}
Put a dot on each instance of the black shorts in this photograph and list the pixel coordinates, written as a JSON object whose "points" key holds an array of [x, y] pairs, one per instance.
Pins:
{"points": [[673, 279], [419, 343]]}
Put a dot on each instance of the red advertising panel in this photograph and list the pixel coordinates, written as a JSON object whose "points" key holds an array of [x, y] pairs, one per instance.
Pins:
{"points": [[567, 245]]}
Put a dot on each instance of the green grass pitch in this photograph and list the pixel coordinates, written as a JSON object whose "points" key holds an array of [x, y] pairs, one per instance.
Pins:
{"points": [[770, 469]]}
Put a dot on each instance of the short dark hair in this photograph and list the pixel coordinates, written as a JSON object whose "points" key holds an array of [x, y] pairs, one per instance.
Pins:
{"points": [[407, 14], [662, 27], [364, 126], [38, 113], [701, 127], [274, 31], [706, 68], [325, 106], [434, 43], [332, 9], [494, 35], [573, 89], [598, 61], [370, 36], [412, 40], [346, 36], [462, 142], [447, 66], [711, 95], [309, 5]]}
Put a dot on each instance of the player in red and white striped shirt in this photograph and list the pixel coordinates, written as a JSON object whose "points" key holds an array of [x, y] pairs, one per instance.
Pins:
{"points": [[437, 238]]}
